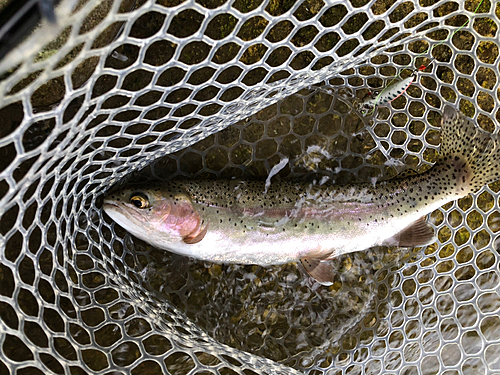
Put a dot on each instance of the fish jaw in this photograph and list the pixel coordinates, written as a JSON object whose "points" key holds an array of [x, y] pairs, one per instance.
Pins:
{"points": [[140, 225]]}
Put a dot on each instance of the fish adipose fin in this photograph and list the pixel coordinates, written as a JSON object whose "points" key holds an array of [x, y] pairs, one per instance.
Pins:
{"points": [[319, 269], [417, 234], [470, 156]]}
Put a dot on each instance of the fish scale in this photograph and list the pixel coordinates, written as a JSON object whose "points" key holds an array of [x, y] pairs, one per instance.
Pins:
{"points": [[246, 222]]}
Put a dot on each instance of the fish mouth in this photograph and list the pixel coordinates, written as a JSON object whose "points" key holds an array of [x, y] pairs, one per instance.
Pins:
{"points": [[120, 216], [109, 203], [110, 206]]}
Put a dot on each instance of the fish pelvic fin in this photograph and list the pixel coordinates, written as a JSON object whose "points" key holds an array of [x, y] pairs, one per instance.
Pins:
{"points": [[417, 234], [319, 268], [469, 155]]}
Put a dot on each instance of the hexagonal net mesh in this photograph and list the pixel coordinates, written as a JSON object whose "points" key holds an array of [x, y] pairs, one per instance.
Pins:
{"points": [[143, 89]]}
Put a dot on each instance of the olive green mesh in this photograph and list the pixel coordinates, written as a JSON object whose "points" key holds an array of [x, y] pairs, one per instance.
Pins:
{"points": [[165, 89]]}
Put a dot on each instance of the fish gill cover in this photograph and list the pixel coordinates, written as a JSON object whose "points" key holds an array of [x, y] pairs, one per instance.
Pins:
{"points": [[134, 89]]}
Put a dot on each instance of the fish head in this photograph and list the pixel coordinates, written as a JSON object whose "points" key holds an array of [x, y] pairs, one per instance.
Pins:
{"points": [[159, 215]]}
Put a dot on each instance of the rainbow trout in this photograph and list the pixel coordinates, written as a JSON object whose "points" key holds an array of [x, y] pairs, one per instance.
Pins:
{"points": [[238, 222]]}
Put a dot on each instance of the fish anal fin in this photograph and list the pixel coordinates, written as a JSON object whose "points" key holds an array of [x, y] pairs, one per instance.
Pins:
{"points": [[417, 234], [196, 236], [319, 269]]}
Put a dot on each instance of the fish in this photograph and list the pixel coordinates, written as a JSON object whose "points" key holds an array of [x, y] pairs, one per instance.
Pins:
{"points": [[391, 92], [386, 96], [236, 221]]}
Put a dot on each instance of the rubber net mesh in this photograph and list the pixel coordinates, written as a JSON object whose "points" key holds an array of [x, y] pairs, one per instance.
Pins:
{"points": [[121, 90]]}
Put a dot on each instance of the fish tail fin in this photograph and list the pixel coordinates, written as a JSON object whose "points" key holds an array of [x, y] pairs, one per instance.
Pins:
{"points": [[471, 155]]}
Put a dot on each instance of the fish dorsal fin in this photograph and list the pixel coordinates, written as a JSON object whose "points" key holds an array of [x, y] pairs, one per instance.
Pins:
{"points": [[417, 234], [319, 269]]}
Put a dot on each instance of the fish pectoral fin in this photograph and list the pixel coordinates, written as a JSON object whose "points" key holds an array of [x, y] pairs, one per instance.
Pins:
{"points": [[417, 234], [196, 236], [318, 269]]}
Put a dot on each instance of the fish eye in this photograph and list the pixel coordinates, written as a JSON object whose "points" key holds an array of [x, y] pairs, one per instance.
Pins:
{"points": [[139, 200]]}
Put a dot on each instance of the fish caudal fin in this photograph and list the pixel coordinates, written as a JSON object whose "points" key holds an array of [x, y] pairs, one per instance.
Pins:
{"points": [[472, 154]]}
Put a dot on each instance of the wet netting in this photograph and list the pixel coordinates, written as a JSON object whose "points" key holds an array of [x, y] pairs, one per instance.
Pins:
{"points": [[137, 89]]}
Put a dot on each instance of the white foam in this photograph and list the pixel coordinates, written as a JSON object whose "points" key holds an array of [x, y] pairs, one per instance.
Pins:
{"points": [[278, 167], [394, 163]]}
